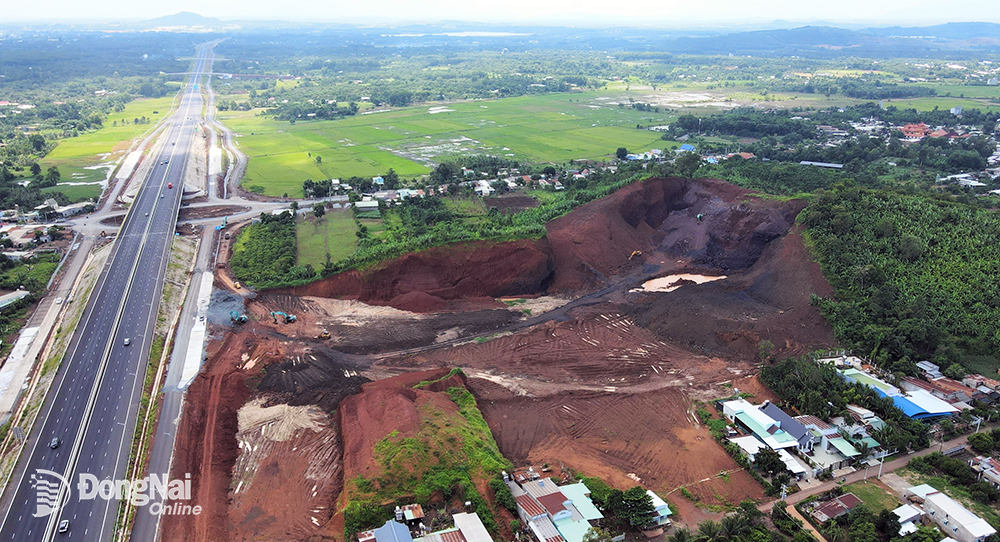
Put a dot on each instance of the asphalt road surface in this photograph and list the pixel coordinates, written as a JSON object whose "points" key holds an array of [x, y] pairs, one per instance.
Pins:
{"points": [[93, 407]]}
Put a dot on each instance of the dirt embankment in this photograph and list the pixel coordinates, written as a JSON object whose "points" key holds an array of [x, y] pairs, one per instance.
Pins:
{"points": [[241, 456], [426, 281]]}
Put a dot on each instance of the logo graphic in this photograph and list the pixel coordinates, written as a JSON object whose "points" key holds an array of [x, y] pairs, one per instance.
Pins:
{"points": [[48, 486]]}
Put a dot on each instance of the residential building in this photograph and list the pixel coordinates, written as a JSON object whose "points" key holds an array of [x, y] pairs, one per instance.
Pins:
{"points": [[790, 425], [661, 510], [836, 507], [908, 516], [468, 528], [915, 131], [929, 369], [951, 517], [554, 513], [759, 424], [989, 469], [391, 531]]}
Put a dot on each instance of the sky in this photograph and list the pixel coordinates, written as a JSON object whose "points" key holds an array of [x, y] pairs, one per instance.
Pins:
{"points": [[667, 13]]}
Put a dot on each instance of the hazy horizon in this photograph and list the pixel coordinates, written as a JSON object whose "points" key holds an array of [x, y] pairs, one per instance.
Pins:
{"points": [[645, 13]]}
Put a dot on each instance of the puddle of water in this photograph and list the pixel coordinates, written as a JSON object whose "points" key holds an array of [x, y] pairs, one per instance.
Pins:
{"points": [[670, 283]]}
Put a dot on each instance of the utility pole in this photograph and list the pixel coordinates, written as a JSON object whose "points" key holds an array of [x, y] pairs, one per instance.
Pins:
{"points": [[880, 468]]}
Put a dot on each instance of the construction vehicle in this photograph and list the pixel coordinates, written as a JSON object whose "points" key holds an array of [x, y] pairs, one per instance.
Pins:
{"points": [[237, 317], [289, 318], [634, 254], [324, 335]]}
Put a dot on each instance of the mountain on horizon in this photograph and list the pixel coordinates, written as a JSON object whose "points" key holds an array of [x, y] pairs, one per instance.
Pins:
{"points": [[184, 18]]}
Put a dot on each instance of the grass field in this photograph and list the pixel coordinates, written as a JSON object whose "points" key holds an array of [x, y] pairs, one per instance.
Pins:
{"points": [[875, 497], [333, 233], [551, 128], [76, 157], [76, 192]]}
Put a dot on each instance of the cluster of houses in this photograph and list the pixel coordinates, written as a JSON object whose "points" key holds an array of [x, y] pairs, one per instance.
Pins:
{"points": [[554, 513], [408, 520], [806, 444], [810, 446], [933, 396], [930, 506], [48, 210], [926, 506]]}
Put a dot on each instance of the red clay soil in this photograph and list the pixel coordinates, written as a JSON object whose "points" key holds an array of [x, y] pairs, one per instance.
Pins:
{"points": [[291, 489], [582, 250], [597, 351], [206, 445], [381, 408], [654, 436], [729, 317], [424, 281]]}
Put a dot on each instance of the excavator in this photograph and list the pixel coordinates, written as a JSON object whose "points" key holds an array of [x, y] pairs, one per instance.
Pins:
{"points": [[324, 335], [289, 318], [237, 317]]}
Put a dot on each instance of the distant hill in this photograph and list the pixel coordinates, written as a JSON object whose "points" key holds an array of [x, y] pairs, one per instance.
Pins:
{"points": [[952, 31], [184, 18], [827, 41]]}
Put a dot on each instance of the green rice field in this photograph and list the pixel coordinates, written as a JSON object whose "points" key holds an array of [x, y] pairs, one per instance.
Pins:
{"points": [[80, 159], [551, 128]]}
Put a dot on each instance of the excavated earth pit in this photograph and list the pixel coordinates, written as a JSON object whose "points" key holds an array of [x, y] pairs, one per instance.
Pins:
{"points": [[571, 360]]}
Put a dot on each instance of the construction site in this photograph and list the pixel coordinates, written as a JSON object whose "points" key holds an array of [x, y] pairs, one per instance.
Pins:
{"points": [[587, 349]]}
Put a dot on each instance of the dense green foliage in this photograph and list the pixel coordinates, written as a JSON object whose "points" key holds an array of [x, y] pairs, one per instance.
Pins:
{"points": [[749, 122], [819, 390], [599, 489], [772, 177], [915, 277], [264, 254], [855, 87], [503, 495], [631, 507]]}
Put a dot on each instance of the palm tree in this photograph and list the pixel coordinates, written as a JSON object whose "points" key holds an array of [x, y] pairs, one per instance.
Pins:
{"points": [[733, 527], [710, 531], [836, 534], [862, 448], [681, 534]]}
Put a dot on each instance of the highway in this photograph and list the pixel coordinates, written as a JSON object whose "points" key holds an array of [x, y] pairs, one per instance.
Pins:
{"points": [[95, 399]]}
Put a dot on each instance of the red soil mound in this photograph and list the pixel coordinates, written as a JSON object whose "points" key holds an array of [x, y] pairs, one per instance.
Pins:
{"points": [[583, 250], [729, 317], [381, 408], [467, 270]]}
